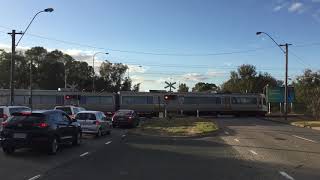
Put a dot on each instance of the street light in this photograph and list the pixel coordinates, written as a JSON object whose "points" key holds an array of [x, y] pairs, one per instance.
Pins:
{"points": [[93, 78], [286, 76], [13, 49]]}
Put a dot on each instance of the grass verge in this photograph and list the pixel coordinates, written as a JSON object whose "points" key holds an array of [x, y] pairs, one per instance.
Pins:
{"points": [[306, 123], [178, 127]]}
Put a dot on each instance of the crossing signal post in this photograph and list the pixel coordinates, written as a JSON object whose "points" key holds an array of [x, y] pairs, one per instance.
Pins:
{"points": [[170, 97]]}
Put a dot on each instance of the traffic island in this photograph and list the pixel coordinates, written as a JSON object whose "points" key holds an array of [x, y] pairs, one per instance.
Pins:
{"points": [[177, 127]]}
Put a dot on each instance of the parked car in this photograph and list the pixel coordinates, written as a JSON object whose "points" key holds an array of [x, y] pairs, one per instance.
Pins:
{"points": [[46, 128], [7, 111], [70, 110], [94, 122], [125, 117]]}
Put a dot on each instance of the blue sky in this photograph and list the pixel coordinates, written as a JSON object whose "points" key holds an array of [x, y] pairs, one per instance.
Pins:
{"points": [[180, 40]]}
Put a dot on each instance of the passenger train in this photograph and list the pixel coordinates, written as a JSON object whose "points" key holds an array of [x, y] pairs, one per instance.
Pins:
{"points": [[145, 103]]}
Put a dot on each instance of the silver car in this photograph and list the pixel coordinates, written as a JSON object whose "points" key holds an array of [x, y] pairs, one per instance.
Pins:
{"points": [[93, 122]]}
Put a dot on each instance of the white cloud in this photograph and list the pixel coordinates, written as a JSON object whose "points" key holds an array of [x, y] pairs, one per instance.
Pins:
{"points": [[195, 77], [214, 73], [137, 68], [278, 8], [296, 7]]}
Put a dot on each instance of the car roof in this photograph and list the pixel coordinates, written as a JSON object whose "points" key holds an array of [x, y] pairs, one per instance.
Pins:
{"points": [[14, 107], [124, 110], [94, 112], [47, 111]]}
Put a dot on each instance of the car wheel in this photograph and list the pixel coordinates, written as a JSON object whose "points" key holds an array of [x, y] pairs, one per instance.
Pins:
{"points": [[99, 134], [8, 150], [108, 132], [77, 139], [53, 147]]}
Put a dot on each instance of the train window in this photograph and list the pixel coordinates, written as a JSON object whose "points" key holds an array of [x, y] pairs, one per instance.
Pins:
{"points": [[48, 99], [93, 100], [20, 100], [106, 100], [244, 100], [36, 99], [137, 99], [202, 100]]}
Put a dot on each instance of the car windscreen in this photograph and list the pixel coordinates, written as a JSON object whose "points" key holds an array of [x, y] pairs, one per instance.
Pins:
{"points": [[65, 109], [18, 109], [34, 118], [123, 113], [85, 116]]}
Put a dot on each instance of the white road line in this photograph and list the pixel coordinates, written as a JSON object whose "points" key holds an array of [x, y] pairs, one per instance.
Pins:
{"points": [[237, 140], [108, 142], [35, 177], [284, 174], [84, 154], [226, 132], [304, 138], [253, 152]]}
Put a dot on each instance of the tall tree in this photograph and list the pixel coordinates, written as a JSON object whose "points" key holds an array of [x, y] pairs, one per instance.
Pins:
{"points": [[183, 88], [136, 87], [247, 80], [113, 75], [205, 87], [307, 91]]}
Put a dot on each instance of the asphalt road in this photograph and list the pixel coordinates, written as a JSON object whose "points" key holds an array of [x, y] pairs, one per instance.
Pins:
{"points": [[246, 148]]}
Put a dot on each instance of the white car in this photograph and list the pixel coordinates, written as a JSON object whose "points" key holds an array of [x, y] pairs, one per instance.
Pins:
{"points": [[7, 111], [94, 122], [70, 110]]}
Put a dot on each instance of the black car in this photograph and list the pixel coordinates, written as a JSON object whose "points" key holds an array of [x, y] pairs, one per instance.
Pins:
{"points": [[125, 117], [47, 128]]}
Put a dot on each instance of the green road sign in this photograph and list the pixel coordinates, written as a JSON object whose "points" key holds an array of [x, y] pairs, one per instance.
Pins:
{"points": [[276, 94]]}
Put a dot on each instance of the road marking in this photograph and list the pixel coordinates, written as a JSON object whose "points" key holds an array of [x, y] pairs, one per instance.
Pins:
{"points": [[304, 138], [226, 132], [84, 154], [253, 152], [237, 140], [108, 142], [35, 177], [284, 174]]}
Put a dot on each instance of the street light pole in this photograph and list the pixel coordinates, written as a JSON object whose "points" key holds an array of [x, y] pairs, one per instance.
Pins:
{"points": [[286, 72], [13, 51], [286, 82], [93, 78]]}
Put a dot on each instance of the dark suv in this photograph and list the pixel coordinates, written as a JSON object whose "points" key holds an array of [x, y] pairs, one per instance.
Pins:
{"points": [[47, 128]]}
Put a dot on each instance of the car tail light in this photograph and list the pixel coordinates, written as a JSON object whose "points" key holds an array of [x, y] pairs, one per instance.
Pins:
{"points": [[4, 116], [41, 125], [4, 123]]}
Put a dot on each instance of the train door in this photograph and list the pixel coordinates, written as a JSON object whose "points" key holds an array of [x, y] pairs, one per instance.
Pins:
{"points": [[227, 103]]}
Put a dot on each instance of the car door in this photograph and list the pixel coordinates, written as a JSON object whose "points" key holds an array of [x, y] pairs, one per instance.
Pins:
{"points": [[103, 121], [71, 127], [63, 127]]}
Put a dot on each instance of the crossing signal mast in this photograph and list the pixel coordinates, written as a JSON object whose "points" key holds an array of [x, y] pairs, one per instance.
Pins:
{"points": [[170, 85]]}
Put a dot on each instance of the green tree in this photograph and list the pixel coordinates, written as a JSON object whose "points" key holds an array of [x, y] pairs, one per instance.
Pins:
{"points": [[136, 87], [247, 80], [113, 76], [183, 88], [205, 87], [307, 91]]}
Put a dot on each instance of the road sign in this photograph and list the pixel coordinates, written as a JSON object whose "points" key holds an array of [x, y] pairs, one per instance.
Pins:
{"points": [[276, 94], [170, 85]]}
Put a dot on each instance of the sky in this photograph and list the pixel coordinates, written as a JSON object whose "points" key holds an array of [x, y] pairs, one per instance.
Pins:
{"points": [[183, 41]]}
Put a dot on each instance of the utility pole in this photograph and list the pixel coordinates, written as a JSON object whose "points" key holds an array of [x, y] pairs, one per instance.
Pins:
{"points": [[12, 68], [286, 82]]}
